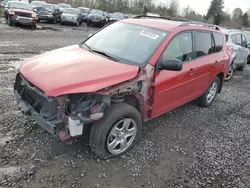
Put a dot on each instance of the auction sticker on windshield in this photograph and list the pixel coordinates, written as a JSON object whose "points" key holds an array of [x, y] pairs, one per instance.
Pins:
{"points": [[149, 35]]}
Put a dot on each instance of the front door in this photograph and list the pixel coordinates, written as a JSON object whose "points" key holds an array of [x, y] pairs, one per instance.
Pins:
{"points": [[172, 88]]}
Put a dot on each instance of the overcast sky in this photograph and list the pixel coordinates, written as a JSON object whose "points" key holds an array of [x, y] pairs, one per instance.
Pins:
{"points": [[201, 6]]}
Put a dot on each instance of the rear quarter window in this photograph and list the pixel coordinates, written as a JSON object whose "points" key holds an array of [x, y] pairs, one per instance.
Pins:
{"points": [[203, 44], [218, 39]]}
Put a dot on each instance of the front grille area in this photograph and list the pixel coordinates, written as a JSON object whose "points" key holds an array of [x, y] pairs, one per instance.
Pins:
{"points": [[47, 108], [95, 18], [27, 15]]}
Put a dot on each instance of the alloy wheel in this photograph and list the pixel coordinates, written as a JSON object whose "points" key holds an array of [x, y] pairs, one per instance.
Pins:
{"points": [[212, 92], [121, 136]]}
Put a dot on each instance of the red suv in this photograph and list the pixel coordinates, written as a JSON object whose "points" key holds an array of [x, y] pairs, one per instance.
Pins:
{"points": [[126, 73]]}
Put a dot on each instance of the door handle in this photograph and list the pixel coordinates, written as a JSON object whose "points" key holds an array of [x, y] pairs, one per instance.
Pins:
{"points": [[192, 71]]}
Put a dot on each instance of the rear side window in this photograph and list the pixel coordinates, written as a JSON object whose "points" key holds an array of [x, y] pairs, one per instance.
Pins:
{"points": [[218, 39], [203, 44]]}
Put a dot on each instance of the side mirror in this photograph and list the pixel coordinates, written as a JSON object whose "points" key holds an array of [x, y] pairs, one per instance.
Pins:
{"points": [[90, 35], [170, 64]]}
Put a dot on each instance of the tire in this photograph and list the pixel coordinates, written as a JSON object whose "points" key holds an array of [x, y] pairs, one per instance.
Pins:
{"points": [[100, 133], [61, 23], [10, 21], [38, 21], [54, 21], [34, 26], [241, 68], [230, 73], [203, 100], [88, 24]]}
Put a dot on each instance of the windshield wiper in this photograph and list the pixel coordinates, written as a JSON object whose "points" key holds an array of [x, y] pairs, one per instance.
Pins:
{"points": [[102, 53]]}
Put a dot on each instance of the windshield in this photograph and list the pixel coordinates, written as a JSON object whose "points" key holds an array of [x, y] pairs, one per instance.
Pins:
{"points": [[38, 3], [64, 6], [49, 7], [131, 44], [84, 10], [70, 11], [19, 5], [98, 12]]}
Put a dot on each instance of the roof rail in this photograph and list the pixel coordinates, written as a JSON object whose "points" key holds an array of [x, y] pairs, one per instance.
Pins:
{"points": [[200, 24], [160, 17]]}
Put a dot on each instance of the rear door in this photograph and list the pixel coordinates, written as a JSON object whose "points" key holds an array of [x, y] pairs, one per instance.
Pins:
{"points": [[205, 61]]}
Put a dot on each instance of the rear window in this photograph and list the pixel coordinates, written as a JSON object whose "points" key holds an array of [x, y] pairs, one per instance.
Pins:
{"points": [[203, 44], [218, 39]]}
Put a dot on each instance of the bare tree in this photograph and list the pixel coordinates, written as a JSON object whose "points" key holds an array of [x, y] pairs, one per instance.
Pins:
{"points": [[173, 8]]}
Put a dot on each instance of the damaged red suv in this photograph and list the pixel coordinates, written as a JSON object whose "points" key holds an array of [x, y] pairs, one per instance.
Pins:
{"points": [[123, 75]]}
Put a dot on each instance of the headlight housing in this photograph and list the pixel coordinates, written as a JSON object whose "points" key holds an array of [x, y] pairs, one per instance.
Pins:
{"points": [[33, 15]]}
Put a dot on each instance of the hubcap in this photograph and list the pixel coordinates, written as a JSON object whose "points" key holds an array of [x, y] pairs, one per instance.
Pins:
{"points": [[212, 92], [121, 136]]}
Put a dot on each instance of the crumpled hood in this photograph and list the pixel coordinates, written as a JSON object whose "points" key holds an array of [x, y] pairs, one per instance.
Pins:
{"points": [[74, 70]]}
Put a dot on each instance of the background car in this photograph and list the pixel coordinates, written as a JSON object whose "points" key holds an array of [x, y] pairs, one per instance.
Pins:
{"points": [[37, 5], [49, 13], [22, 13], [116, 16], [237, 44], [98, 17], [84, 12], [62, 6], [71, 15]]}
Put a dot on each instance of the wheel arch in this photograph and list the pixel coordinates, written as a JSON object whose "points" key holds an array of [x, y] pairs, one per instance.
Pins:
{"points": [[221, 77]]}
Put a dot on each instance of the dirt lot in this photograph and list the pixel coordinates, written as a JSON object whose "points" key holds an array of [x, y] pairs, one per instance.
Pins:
{"points": [[188, 147]]}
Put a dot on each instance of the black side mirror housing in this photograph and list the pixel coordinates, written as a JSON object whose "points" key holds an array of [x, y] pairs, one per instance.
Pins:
{"points": [[170, 64]]}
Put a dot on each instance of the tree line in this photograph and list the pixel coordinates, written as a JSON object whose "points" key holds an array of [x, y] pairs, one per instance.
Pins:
{"points": [[215, 14]]}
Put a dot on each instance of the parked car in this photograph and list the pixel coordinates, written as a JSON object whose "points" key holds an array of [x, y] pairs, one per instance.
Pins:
{"points": [[62, 6], [71, 15], [97, 17], [49, 13], [18, 12], [84, 12], [111, 85], [248, 45], [239, 52], [37, 5], [116, 16]]}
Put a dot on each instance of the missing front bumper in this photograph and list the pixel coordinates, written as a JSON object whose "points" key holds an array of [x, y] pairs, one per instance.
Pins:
{"points": [[53, 127]]}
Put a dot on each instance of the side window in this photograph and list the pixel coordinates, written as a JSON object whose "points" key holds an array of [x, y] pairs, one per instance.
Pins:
{"points": [[203, 44], [181, 47], [238, 39], [218, 38], [244, 41]]}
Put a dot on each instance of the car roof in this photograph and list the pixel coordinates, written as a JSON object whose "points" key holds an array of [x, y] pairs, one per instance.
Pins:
{"points": [[20, 2], [168, 23], [161, 24]]}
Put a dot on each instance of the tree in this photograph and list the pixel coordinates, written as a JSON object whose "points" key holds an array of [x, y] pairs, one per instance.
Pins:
{"points": [[245, 19], [215, 11], [186, 11], [173, 8], [237, 14]]}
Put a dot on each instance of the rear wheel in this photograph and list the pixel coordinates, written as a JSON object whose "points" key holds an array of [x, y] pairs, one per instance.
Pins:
{"points": [[242, 67], [117, 132], [208, 97]]}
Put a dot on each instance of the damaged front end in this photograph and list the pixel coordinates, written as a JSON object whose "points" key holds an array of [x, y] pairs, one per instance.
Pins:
{"points": [[69, 115], [64, 115]]}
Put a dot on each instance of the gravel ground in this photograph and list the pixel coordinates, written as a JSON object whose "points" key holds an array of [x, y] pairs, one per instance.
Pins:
{"points": [[188, 147]]}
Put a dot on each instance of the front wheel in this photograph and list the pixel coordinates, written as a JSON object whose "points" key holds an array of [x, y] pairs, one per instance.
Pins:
{"points": [[10, 21], [117, 132], [208, 97]]}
